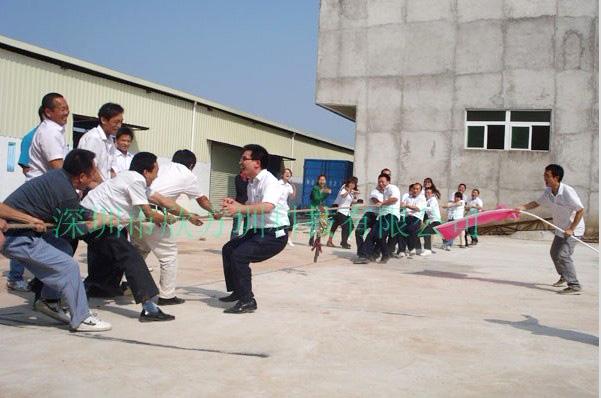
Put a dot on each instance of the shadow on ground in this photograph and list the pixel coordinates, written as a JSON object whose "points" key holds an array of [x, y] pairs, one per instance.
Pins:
{"points": [[455, 275], [532, 325]]}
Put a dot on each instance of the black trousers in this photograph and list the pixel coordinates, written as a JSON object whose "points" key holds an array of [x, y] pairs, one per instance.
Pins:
{"points": [[365, 223], [345, 222], [253, 247], [410, 230], [110, 256], [386, 226], [427, 233]]}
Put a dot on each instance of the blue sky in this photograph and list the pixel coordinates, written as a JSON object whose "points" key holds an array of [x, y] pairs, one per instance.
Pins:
{"points": [[258, 56]]}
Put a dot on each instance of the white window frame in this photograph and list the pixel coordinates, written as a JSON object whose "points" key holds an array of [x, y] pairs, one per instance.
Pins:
{"points": [[508, 130]]}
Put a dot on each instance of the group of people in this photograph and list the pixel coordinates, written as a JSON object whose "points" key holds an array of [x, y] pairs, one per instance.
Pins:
{"points": [[392, 225], [122, 206], [415, 213]]}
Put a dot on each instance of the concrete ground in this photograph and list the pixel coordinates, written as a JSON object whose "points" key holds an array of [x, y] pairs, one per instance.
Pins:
{"points": [[482, 321]]}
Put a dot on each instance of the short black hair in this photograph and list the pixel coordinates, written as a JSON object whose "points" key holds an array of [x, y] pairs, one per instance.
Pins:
{"points": [[124, 130], [258, 153], [383, 170], [48, 103], [477, 190], [556, 170], [418, 183], [458, 195], [460, 184], [185, 157], [109, 110], [386, 176], [79, 161], [143, 161]]}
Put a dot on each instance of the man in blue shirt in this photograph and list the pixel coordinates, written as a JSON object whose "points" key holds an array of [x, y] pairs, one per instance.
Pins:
{"points": [[15, 280]]}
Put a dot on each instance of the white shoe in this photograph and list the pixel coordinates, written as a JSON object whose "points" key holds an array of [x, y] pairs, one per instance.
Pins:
{"points": [[92, 324], [290, 243], [53, 310], [412, 252], [401, 254], [425, 252]]}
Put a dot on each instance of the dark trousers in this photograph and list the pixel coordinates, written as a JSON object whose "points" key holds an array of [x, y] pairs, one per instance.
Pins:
{"points": [[410, 230], [365, 223], [385, 226], [427, 233], [253, 247], [473, 233], [347, 226], [110, 255]]}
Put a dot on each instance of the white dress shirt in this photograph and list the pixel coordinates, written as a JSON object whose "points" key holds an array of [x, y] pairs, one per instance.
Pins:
{"points": [[563, 206], [175, 179], [457, 212], [374, 194], [344, 202], [121, 161], [433, 210], [97, 141], [474, 202], [264, 188], [420, 202], [391, 191], [287, 190], [48, 144], [119, 196]]}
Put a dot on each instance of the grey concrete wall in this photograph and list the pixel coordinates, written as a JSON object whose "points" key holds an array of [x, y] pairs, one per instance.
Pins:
{"points": [[412, 67]]}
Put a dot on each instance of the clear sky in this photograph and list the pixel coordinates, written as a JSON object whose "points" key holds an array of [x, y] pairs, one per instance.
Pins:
{"points": [[259, 56]]}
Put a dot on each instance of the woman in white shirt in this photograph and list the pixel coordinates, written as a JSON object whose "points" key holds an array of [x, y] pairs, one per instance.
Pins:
{"points": [[431, 219], [455, 211], [346, 197], [288, 193]]}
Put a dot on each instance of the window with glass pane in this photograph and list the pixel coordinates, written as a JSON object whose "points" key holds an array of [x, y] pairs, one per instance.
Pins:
{"points": [[475, 137], [520, 137], [495, 137], [540, 138], [485, 116], [531, 116]]}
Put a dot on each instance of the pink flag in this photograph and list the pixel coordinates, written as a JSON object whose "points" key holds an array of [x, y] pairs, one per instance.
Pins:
{"points": [[453, 229]]}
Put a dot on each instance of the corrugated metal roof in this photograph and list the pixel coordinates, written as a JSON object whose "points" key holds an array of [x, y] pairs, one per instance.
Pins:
{"points": [[97, 70]]}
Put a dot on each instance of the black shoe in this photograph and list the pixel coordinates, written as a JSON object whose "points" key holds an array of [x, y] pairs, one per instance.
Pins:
{"points": [[171, 301], [570, 290], [158, 317], [230, 299], [242, 307], [311, 241], [345, 245]]}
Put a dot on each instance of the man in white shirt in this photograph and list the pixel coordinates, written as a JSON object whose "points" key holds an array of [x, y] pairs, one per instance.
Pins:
{"points": [[48, 147], [460, 188], [376, 197], [110, 254], [386, 225], [266, 237], [431, 218], [100, 139], [344, 200], [473, 206], [415, 205], [567, 210], [121, 155], [174, 179]]}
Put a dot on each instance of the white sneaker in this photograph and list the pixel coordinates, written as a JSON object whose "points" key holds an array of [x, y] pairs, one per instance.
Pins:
{"points": [[53, 310], [92, 324], [290, 243], [401, 254], [425, 252], [412, 252]]}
